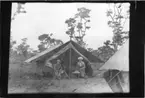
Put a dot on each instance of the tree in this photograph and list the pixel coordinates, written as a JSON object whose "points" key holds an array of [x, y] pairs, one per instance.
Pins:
{"points": [[47, 41], [77, 25], [20, 9], [90, 49], [104, 52], [12, 43], [22, 48], [32, 52], [117, 20]]}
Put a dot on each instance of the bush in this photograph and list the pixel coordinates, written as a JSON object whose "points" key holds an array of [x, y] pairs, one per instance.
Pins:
{"points": [[18, 70]]}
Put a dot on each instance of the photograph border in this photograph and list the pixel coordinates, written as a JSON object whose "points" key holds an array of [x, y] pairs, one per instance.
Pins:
{"points": [[136, 52]]}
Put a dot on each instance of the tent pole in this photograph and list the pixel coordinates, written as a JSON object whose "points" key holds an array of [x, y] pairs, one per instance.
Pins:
{"points": [[70, 64]]}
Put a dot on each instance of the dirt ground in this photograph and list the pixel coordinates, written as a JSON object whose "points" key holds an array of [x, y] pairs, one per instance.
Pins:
{"points": [[90, 85], [97, 84]]}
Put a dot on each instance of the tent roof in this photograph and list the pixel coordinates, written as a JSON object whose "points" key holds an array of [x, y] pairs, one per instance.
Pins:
{"points": [[92, 58], [41, 54], [59, 49], [120, 60]]}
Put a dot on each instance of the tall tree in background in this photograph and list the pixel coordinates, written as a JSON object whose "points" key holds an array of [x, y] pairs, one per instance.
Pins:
{"points": [[47, 41], [20, 9], [77, 25], [22, 48], [117, 20]]}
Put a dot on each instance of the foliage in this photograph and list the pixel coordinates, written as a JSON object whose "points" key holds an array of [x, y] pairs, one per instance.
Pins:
{"points": [[104, 52], [90, 49], [77, 25], [22, 48], [12, 42], [11, 46], [32, 52], [117, 20], [20, 9], [47, 41]]}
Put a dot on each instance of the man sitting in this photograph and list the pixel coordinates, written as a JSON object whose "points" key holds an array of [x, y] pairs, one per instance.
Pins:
{"points": [[58, 69]]}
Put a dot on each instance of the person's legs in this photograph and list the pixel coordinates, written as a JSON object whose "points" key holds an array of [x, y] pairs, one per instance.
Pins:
{"points": [[83, 72], [56, 74]]}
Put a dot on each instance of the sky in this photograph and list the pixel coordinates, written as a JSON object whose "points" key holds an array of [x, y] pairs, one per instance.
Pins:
{"points": [[46, 18]]}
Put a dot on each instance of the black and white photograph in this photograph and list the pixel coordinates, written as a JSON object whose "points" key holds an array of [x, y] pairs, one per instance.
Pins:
{"points": [[69, 48]]}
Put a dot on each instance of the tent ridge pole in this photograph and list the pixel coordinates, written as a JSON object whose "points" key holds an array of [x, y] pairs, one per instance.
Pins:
{"points": [[70, 63]]}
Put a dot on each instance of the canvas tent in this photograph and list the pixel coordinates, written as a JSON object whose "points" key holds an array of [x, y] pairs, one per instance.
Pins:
{"points": [[68, 53], [118, 69], [120, 60]]}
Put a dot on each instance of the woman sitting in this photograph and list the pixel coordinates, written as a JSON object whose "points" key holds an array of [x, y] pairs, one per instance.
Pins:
{"points": [[81, 67]]}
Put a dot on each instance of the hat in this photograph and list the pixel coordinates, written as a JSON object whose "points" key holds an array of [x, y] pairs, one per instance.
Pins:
{"points": [[80, 58]]}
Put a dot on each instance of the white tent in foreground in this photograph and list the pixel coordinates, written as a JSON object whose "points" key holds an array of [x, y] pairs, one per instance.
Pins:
{"points": [[117, 70], [120, 60]]}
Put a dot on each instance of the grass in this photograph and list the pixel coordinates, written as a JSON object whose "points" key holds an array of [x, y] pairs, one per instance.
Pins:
{"points": [[91, 85], [26, 78]]}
